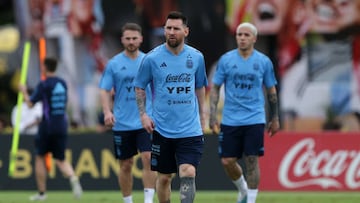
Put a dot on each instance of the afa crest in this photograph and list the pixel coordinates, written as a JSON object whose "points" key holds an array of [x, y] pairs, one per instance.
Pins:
{"points": [[256, 67], [189, 62]]}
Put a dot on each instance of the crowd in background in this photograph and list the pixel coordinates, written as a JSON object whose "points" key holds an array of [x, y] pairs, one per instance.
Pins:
{"points": [[314, 45]]}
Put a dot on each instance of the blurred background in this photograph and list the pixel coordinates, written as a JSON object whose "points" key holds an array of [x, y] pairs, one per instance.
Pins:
{"points": [[314, 45]]}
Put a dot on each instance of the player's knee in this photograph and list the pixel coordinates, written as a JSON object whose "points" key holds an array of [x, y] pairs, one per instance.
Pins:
{"points": [[228, 162], [164, 179], [126, 165], [187, 170], [145, 159]]}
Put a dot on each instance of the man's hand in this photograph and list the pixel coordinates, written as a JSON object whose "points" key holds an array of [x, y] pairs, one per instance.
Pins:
{"points": [[274, 126], [214, 125], [147, 123], [109, 119], [23, 88]]}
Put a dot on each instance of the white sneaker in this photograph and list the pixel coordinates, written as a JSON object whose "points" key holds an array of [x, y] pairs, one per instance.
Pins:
{"points": [[242, 195], [242, 198], [38, 197], [76, 187]]}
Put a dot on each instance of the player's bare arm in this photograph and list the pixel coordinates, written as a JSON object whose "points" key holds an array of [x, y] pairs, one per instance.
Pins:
{"points": [[200, 93], [106, 103], [214, 100], [146, 121], [274, 124], [140, 100], [23, 89]]}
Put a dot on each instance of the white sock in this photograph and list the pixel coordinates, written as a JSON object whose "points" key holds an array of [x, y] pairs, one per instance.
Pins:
{"points": [[73, 178], [251, 195], [149, 195], [240, 184], [128, 199]]}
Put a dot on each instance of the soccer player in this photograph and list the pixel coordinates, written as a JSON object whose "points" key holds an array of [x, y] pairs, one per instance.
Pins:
{"points": [[123, 116], [244, 72], [52, 135], [177, 72]]}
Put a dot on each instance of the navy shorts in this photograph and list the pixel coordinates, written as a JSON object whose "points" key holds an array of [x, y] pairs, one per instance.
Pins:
{"points": [[128, 143], [51, 142], [234, 141], [167, 154]]}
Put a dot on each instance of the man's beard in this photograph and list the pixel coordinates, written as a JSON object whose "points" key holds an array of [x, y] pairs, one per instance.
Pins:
{"points": [[173, 43], [131, 48], [244, 48]]}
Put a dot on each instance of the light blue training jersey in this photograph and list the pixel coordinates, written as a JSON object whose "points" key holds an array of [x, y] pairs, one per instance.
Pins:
{"points": [[243, 81], [120, 73], [174, 79]]}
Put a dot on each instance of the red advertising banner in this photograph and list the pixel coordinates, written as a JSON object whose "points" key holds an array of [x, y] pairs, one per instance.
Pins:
{"points": [[311, 161]]}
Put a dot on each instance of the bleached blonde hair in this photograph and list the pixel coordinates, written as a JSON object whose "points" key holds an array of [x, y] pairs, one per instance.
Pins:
{"points": [[248, 25]]}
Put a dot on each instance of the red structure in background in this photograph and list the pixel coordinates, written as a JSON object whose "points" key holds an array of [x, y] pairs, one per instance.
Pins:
{"points": [[324, 161]]}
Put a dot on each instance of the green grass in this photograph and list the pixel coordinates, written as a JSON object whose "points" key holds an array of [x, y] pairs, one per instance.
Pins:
{"points": [[201, 197]]}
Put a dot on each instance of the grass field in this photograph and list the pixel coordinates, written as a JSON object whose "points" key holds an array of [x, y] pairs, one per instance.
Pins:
{"points": [[201, 197]]}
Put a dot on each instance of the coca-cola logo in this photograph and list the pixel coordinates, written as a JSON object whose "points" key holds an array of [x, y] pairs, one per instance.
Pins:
{"points": [[183, 77], [303, 166]]}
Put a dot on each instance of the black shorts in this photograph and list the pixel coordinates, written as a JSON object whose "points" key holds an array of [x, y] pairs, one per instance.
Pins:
{"points": [[167, 154], [128, 143], [54, 143], [234, 141]]}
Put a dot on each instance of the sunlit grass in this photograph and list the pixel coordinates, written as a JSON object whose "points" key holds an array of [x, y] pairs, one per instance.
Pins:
{"points": [[201, 197]]}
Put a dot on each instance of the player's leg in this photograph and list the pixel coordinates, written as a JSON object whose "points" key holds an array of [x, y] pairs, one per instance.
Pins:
{"points": [[149, 176], [68, 171], [163, 161], [252, 177], [230, 150], [40, 168], [235, 173], [125, 149], [187, 183], [253, 148], [40, 175], [65, 167], [125, 178], [188, 154], [163, 187]]}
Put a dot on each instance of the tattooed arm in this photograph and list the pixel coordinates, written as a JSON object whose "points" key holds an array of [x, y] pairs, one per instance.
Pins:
{"points": [[146, 121], [274, 124], [214, 100]]}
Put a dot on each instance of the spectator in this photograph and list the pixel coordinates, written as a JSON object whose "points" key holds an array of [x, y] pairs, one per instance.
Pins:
{"points": [[30, 118]]}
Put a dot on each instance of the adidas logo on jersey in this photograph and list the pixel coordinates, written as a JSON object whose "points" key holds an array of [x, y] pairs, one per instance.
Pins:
{"points": [[163, 65]]}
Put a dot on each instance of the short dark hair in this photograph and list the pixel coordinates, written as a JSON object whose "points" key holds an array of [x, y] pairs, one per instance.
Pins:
{"points": [[177, 15], [50, 64], [131, 26]]}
